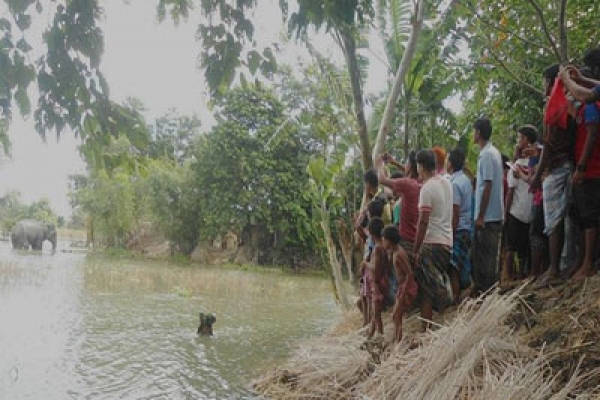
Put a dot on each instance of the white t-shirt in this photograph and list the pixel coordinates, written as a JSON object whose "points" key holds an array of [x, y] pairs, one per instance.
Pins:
{"points": [[436, 197], [522, 204]]}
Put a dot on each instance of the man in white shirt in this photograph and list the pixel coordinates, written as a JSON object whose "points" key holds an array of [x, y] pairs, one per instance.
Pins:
{"points": [[433, 242]]}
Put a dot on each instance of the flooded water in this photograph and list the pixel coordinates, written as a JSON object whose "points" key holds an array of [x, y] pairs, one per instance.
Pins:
{"points": [[77, 328]]}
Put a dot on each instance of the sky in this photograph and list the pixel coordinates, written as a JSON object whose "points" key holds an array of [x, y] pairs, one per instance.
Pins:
{"points": [[154, 62]]}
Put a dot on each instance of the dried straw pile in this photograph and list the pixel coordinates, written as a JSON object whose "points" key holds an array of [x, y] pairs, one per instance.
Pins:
{"points": [[479, 354], [565, 321], [475, 356]]}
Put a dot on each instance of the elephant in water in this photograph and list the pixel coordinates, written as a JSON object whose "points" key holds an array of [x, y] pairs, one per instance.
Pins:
{"points": [[31, 233]]}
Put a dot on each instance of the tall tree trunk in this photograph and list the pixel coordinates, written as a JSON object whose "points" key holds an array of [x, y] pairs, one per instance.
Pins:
{"points": [[333, 260], [346, 245], [562, 28], [349, 47], [403, 68], [406, 130]]}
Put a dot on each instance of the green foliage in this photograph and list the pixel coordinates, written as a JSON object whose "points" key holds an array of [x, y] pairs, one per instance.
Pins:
{"points": [[172, 136], [423, 118], [330, 14], [249, 171], [228, 31], [111, 202], [511, 44], [13, 209], [173, 204], [123, 142]]}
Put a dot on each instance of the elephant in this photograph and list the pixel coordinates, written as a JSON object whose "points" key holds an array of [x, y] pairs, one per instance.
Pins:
{"points": [[31, 233]]}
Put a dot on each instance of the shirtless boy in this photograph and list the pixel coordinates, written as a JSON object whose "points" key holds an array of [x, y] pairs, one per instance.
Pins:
{"points": [[378, 266], [407, 285]]}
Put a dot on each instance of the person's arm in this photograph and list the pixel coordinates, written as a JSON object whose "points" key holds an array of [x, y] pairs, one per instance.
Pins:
{"points": [[404, 269], [509, 200], [536, 182], [456, 203], [377, 264], [580, 92], [421, 230], [579, 86], [485, 201], [382, 173], [455, 217], [592, 119], [513, 178], [425, 206]]}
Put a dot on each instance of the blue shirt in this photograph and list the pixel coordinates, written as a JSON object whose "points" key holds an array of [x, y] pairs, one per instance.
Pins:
{"points": [[592, 113], [462, 191], [596, 91], [489, 168]]}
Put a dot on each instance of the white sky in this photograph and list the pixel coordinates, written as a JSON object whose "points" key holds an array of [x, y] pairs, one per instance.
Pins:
{"points": [[156, 63]]}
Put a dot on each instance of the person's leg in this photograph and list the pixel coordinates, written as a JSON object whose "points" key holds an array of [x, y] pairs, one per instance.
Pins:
{"points": [[398, 315], [557, 240], [364, 309], [587, 268], [590, 214], [490, 237], [555, 202], [426, 313], [509, 265], [376, 322], [524, 251], [455, 282], [478, 260], [573, 268]]}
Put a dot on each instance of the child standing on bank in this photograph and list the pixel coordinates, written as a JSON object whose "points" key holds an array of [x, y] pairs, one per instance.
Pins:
{"points": [[378, 267], [407, 285]]}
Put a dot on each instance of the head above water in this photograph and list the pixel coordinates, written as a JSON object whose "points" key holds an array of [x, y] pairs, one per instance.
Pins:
{"points": [[206, 323]]}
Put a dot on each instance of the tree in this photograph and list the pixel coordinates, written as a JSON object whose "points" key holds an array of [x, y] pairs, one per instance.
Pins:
{"points": [[249, 172], [511, 43], [13, 209], [172, 136], [323, 173], [173, 203], [110, 201]]}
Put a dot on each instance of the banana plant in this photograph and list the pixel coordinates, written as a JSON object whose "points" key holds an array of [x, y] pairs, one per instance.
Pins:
{"points": [[323, 171]]}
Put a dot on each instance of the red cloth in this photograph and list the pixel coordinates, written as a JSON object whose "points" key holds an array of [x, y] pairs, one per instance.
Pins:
{"points": [[556, 109]]}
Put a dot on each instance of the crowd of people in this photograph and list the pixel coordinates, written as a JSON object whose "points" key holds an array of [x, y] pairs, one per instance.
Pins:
{"points": [[436, 233]]}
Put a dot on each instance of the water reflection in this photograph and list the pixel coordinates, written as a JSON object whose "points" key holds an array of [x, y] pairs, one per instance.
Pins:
{"points": [[103, 329]]}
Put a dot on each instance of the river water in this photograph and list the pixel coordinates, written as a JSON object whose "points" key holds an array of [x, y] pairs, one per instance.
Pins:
{"points": [[76, 327]]}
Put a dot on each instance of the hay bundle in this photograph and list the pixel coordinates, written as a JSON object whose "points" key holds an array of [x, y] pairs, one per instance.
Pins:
{"points": [[445, 364], [323, 368], [475, 356]]}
